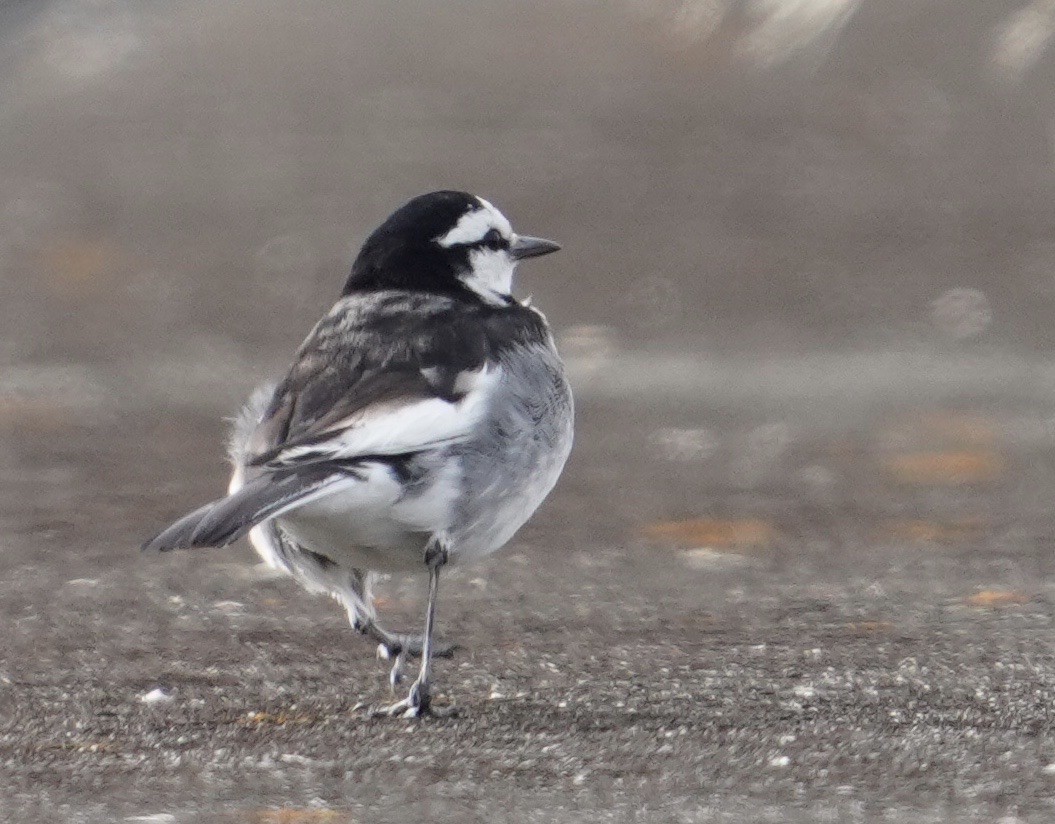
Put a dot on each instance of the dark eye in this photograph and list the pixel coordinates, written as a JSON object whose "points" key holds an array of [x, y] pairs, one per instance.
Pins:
{"points": [[494, 240]]}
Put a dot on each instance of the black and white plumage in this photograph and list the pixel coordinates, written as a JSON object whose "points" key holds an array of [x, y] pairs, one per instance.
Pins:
{"points": [[423, 421]]}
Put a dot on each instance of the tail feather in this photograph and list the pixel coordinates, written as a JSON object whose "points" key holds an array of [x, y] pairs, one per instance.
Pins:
{"points": [[178, 534], [224, 521]]}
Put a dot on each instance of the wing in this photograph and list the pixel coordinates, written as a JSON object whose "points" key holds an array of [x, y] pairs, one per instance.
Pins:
{"points": [[382, 377], [383, 374]]}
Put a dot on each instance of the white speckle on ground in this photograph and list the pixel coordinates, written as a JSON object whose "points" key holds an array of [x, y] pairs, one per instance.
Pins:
{"points": [[705, 558], [156, 696]]}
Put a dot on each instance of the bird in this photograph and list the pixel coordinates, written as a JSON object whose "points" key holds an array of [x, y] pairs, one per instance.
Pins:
{"points": [[422, 422]]}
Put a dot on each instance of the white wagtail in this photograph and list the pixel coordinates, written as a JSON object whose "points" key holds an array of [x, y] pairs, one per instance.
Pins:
{"points": [[423, 421]]}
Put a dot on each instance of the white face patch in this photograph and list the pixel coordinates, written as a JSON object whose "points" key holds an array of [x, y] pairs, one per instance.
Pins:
{"points": [[490, 273], [472, 226]]}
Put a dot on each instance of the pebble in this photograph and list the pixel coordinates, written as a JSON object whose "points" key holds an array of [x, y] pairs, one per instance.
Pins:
{"points": [[156, 696]]}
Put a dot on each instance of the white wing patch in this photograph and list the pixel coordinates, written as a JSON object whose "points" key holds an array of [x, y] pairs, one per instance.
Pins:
{"points": [[399, 427]]}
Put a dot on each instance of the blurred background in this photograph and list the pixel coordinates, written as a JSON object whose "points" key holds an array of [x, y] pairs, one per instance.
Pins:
{"points": [[187, 182], [805, 295], [771, 177]]}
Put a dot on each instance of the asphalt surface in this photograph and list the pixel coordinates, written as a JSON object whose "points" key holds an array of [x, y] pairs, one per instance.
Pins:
{"points": [[860, 629]]}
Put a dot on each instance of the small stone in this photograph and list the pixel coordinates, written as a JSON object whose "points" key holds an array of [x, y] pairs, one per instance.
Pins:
{"points": [[156, 696]]}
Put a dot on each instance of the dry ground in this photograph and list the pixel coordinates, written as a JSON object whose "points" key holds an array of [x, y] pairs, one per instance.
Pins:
{"points": [[855, 627]]}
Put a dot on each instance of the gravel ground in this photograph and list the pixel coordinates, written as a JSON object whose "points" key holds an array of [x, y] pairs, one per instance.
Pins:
{"points": [[858, 629]]}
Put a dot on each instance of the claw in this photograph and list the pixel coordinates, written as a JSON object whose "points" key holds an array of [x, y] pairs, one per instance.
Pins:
{"points": [[413, 706], [416, 704], [400, 709], [395, 676]]}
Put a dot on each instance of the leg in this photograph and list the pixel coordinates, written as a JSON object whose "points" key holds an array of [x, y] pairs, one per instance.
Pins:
{"points": [[352, 588], [419, 701], [391, 646]]}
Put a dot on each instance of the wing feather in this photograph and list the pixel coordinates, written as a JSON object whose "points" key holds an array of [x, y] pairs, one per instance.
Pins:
{"points": [[379, 376]]}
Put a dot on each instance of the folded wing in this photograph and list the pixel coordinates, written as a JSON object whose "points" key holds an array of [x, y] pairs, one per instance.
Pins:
{"points": [[379, 380]]}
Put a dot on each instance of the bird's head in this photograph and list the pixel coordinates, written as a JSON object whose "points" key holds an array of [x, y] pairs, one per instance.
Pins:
{"points": [[448, 243]]}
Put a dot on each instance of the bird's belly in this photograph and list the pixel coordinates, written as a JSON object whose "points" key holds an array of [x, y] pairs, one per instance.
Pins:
{"points": [[381, 547], [375, 523]]}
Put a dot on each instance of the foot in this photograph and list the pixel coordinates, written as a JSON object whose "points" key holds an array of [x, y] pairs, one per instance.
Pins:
{"points": [[417, 704]]}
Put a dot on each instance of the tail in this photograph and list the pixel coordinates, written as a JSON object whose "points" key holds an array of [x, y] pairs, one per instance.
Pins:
{"points": [[224, 521]]}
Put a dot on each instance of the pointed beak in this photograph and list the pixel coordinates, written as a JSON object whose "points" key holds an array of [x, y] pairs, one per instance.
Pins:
{"points": [[527, 247]]}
